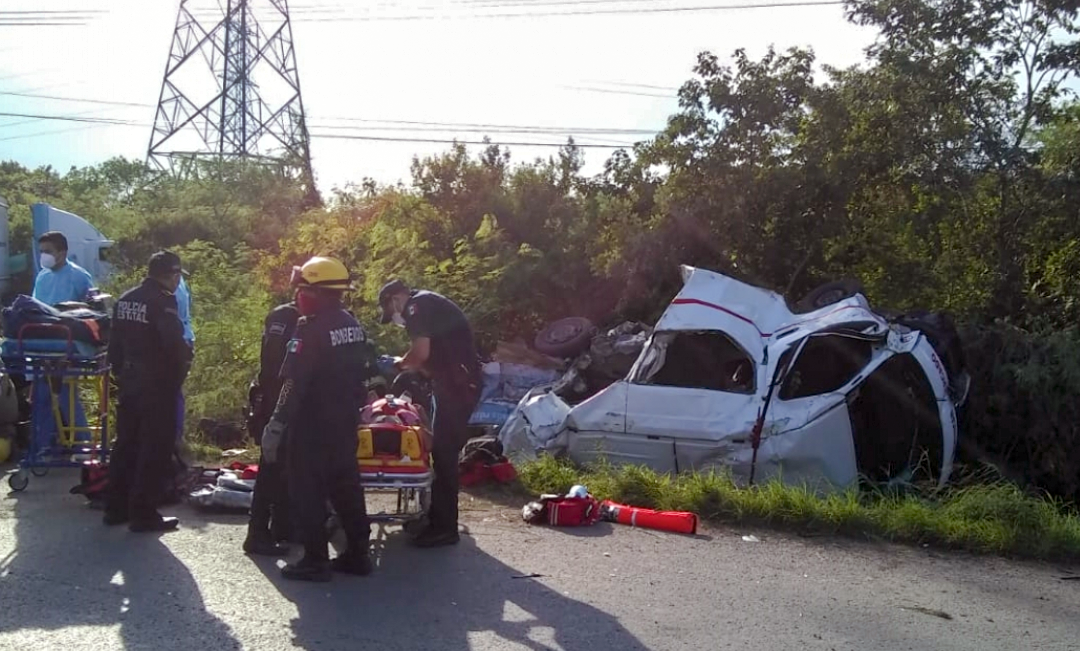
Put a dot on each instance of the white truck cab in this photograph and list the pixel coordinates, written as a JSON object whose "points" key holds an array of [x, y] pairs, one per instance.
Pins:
{"points": [[87, 246]]}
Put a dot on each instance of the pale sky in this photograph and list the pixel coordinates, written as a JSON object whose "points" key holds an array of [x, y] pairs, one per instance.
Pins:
{"points": [[606, 71]]}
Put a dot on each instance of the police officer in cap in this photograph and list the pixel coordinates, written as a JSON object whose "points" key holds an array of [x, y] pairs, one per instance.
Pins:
{"points": [[269, 524], [443, 349], [150, 361], [317, 414]]}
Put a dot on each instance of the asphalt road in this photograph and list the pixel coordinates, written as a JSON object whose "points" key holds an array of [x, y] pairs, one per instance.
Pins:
{"points": [[68, 582]]}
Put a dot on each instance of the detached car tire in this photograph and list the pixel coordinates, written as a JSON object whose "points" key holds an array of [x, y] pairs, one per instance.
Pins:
{"points": [[565, 337], [829, 293]]}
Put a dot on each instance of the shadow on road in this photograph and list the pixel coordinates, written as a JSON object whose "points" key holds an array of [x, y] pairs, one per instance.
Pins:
{"points": [[69, 570], [447, 599]]}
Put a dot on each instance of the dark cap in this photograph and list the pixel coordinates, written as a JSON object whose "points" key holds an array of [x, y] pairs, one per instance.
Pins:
{"points": [[164, 263], [392, 288]]}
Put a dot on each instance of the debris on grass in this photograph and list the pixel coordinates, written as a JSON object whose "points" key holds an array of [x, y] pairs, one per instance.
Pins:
{"points": [[989, 516]]}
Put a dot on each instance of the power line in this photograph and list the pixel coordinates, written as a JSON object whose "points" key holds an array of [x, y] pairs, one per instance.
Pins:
{"points": [[467, 142], [299, 16], [31, 95], [613, 91], [69, 118], [329, 136], [480, 128], [430, 125], [62, 18], [55, 132], [632, 85], [8, 125], [68, 12], [9, 23], [76, 99]]}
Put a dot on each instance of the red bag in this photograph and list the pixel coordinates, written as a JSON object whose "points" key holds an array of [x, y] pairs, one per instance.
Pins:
{"points": [[245, 470], [477, 471], [572, 511], [503, 472], [473, 474]]}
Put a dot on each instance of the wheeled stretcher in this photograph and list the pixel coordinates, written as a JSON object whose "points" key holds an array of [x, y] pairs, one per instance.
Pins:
{"points": [[62, 372], [394, 454]]}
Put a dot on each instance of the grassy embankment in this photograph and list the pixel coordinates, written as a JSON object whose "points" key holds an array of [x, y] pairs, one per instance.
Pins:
{"points": [[979, 513]]}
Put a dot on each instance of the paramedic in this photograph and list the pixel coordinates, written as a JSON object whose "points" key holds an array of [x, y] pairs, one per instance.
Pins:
{"points": [[150, 361], [269, 522], [60, 280], [443, 349], [317, 415]]}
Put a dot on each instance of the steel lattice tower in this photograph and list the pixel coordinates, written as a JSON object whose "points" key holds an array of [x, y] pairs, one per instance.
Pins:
{"points": [[231, 88]]}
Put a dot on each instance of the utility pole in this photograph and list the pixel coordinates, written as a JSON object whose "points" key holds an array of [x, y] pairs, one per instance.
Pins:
{"points": [[231, 90]]}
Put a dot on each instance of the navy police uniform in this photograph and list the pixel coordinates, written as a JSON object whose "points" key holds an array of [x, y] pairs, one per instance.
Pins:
{"points": [[454, 368], [323, 391], [270, 502], [150, 361]]}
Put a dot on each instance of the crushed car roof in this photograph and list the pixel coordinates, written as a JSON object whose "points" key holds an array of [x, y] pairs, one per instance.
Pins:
{"points": [[753, 316]]}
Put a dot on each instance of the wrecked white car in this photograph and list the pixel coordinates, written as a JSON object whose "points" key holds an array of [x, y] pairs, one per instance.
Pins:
{"points": [[733, 377]]}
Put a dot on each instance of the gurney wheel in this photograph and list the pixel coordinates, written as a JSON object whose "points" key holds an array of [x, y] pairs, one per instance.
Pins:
{"points": [[19, 481], [39, 472]]}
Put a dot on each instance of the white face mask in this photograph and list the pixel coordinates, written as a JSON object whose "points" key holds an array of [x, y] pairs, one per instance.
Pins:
{"points": [[48, 261], [398, 319]]}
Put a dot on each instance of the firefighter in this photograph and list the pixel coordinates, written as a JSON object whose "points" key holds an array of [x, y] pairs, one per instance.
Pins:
{"points": [[269, 524], [150, 361], [443, 349], [317, 415]]}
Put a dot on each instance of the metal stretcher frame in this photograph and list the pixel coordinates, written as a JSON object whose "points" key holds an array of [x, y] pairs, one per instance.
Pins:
{"points": [[413, 493], [55, 370], [413, 488]]}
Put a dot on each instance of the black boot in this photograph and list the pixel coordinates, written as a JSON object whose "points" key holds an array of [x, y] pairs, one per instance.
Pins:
{"points": [[113, 517], [307, 569], [154, 524], [356, 559], [432, 537], [259, 542]]}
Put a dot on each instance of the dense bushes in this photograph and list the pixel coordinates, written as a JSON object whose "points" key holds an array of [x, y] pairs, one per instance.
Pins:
{"points": [[1024, 412]]}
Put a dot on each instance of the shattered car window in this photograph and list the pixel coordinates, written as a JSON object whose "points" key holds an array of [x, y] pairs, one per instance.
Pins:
{"points": [[826, 364], [700, 360]]}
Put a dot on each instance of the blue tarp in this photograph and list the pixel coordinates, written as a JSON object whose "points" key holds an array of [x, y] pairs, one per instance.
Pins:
{"points": [[504, 385]]}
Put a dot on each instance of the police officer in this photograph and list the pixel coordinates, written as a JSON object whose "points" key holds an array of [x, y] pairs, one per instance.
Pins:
{"points": [[150, 361], [317, 415], [269, 522], [443, 349]]}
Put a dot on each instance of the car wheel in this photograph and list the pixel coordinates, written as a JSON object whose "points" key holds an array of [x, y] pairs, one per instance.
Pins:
{"points": [[829, 293], [565, 337]]}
